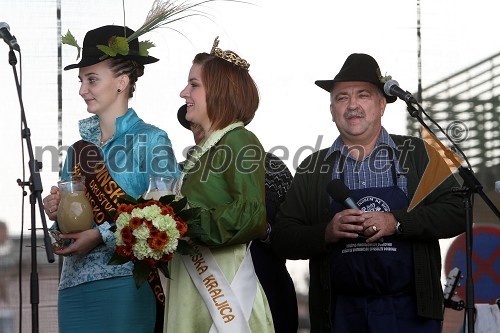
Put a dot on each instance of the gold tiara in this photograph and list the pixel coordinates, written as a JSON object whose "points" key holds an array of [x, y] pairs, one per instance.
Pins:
{"points": [[228, 55]]}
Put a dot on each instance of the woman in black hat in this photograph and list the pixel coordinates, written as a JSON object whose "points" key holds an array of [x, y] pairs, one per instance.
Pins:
{"points": [[117, 154]]}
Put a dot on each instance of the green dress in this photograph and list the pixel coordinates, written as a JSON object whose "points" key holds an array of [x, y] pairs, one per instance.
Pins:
{"points": [[227, 182]]}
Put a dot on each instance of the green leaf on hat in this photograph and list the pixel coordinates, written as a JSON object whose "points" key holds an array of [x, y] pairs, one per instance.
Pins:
{"points": [[120, 44], [382, 78], [144, 46], [107, 50], [69, 39], [116, 45]]}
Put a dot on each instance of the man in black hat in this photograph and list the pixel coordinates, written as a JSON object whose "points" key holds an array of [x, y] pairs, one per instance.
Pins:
{"points": [[374, 264]]}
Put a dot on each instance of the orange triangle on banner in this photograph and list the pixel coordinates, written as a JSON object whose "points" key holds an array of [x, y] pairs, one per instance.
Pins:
{"points": [[442, 163]]}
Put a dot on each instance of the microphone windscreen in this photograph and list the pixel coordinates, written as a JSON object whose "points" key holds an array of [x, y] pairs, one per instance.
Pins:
{"points": [[338, 190], [388, 85]]}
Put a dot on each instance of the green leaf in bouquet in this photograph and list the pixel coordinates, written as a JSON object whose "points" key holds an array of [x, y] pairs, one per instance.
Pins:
{"points": [[184, 247], [189, 214], [141, 271], [195, 231], [113, 228], [167, 199], [177, 206], [117, 260], [127, 199], [163, 267], [112, 214]]}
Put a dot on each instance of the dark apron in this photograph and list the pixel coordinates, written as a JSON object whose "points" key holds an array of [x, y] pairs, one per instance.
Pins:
{"points": [[373, 283]]}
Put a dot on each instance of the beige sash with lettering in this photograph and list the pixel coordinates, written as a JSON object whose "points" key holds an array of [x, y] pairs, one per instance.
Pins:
{"points": [[230, 305]]}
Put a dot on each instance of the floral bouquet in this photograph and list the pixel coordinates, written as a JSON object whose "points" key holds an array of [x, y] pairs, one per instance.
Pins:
{"points": [[149, 232]]}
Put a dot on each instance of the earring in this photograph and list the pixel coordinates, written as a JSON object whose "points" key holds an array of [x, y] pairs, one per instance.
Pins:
{"points": [[119, 90]]}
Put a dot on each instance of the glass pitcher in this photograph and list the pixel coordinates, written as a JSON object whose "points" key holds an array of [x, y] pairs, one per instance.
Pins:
{"points": [[159, 186], [74, 213]]}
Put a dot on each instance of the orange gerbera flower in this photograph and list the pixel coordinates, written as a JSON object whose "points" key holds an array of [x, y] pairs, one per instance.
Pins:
{"points": [[135, 222], [127, 236], [167, 210], [124, 251]]}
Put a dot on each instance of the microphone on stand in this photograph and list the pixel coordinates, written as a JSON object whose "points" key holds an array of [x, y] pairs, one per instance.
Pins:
{"points": [[7, 37], [392, 88]]}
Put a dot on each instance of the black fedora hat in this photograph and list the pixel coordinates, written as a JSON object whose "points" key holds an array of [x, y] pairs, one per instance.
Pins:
{"points": [[91, 55], [181, 116], [358, 67]]}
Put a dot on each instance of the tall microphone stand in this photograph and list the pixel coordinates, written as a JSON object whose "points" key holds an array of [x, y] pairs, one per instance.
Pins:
{"points": [[35, 185], [470, 187]]}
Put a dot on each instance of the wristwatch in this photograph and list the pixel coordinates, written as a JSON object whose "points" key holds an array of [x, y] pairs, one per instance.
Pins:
{"points": [[399, 228]]}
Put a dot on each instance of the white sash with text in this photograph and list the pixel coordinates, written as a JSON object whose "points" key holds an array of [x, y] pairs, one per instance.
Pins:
{"points": [[230, 305]]}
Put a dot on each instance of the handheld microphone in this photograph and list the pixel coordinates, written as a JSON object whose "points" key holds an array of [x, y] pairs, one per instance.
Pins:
{"points": [[342, 195], [7, 37], [392, 88], [339, 192]]}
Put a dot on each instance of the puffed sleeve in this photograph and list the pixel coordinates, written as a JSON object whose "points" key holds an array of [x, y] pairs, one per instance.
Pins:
{"points": [[228, 185]]}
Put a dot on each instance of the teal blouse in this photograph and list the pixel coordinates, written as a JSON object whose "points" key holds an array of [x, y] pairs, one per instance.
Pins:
{"points": [[135, 151]]}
